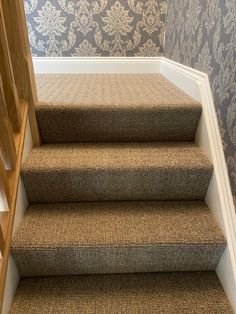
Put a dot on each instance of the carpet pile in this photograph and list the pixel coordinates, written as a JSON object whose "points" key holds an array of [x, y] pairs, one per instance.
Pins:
{"points": [[116, 198]]}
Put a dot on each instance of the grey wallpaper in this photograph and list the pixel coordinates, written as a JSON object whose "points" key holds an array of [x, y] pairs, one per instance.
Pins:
{"points": [[96, 27], [202, 34]]}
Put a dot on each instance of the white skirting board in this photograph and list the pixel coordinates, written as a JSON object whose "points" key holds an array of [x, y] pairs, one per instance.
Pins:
{"points": [[96, 65], [13, 277], [196, 84], [219, 197]]}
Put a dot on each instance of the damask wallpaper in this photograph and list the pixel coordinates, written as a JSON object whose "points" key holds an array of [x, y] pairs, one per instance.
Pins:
{"points": [[202, 34], [96, 27]]}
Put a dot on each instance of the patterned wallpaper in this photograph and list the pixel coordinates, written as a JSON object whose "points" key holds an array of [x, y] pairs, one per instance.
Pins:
{"points": [[96, 27], [202, 34]]}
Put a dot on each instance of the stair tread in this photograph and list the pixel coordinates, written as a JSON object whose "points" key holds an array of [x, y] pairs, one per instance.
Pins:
{"points": [[52, 226], [112, 90], [116, 156], [198, 292], [113, 108], [116, 171]]}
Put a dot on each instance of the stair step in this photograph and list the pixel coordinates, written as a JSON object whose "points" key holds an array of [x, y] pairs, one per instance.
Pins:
{"points": [[199, 293], [114, 108], [116, 171], [117, 237]]}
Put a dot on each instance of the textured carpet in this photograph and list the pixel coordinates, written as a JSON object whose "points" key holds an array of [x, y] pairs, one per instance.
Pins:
{"points": [[116, 195], [168, 293], [116, 237], [114, 107], [116, 171]]}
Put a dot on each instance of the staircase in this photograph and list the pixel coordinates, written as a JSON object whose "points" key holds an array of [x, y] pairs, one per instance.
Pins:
{"points": [[117, 221]]}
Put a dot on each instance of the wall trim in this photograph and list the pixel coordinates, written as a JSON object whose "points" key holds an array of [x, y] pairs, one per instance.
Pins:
{"points": [[96, 65], [219, 196], [13, 277], [196, 84]]}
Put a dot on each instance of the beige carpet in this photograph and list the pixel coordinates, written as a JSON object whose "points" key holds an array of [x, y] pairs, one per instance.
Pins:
{"points": [[116, 237], [116, 171], [163, 293], [113, 107], [116, 197]]}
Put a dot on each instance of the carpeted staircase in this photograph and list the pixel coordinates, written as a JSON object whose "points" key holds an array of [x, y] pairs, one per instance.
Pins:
{"points": [[116, 196]]}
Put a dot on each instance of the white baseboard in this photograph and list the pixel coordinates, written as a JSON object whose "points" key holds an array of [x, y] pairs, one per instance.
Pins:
{"points": [[219, 197], [12, 281], [13, 277], [196, 84], [96, 65]]}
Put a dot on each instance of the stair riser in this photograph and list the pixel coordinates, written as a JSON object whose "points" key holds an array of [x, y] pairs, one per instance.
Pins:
{"points": [[117, 260], [169, 293], [115, 125], [99, 185]]}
